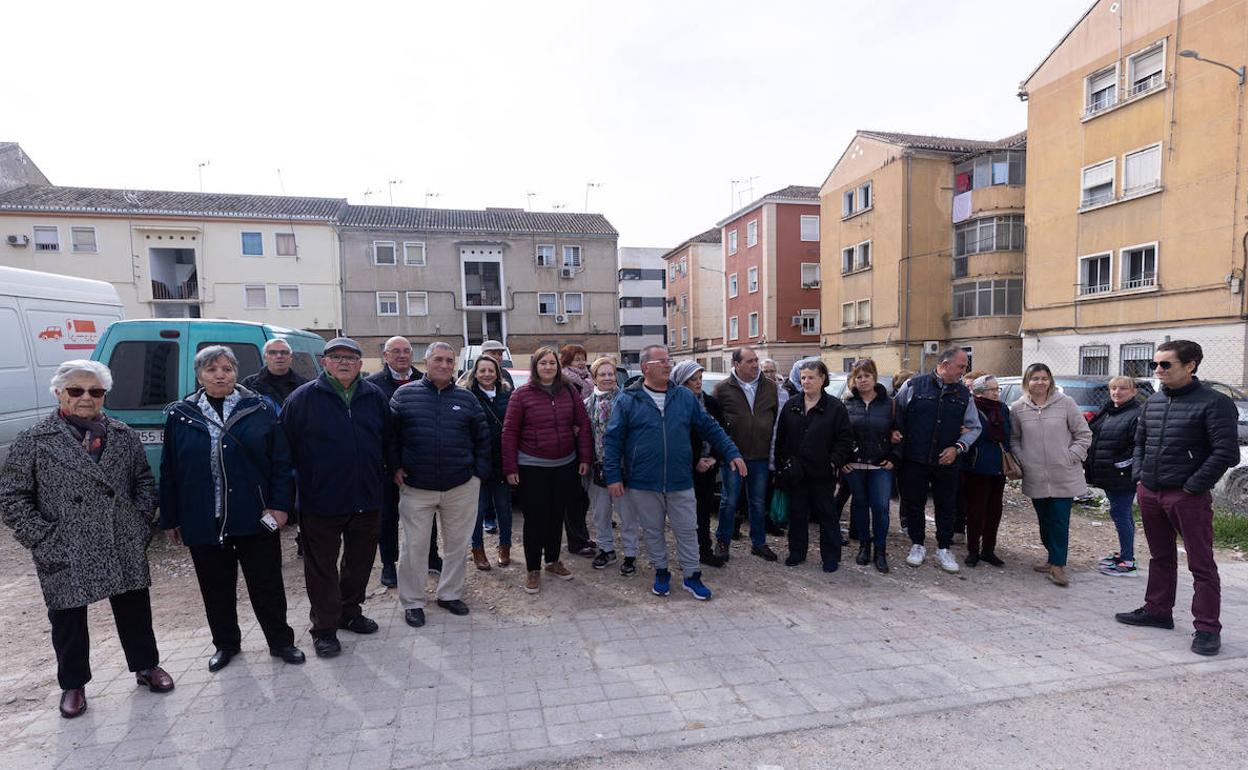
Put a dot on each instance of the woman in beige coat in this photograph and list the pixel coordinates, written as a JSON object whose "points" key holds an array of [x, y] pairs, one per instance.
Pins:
{"points": [[1051, 440]]}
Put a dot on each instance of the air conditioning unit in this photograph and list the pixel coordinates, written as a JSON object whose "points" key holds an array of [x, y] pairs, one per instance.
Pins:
{"points": [[561, 318], [931, 347], [18, 240], [811, 285], [567, 272], [795, 320]]}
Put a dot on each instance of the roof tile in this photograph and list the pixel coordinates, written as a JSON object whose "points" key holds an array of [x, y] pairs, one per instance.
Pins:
{"points": [[146, 202]]}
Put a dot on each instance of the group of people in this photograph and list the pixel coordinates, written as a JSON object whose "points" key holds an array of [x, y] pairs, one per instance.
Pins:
{"points": [[352, 456]]}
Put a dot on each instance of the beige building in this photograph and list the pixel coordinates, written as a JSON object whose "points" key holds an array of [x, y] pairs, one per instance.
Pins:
{"points": [[185, 255], [695, 300], [890, 279], [1135, 181]]}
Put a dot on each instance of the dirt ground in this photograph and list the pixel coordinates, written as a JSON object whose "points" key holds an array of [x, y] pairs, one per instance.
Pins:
{"points": [[24, 634]]}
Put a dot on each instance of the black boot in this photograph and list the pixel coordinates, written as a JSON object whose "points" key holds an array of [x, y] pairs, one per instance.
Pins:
{"points": [[864, 554], [972, 558], [881, 561]]}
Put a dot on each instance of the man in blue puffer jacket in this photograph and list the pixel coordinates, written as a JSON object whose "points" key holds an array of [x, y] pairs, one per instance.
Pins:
{"points": [[647, 449]]}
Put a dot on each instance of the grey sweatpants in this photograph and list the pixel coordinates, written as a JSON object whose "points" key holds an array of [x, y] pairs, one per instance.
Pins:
{"points": [[600, 505], [678, 508]]}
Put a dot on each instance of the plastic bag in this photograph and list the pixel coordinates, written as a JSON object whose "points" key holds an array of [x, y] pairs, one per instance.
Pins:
{"points": [[779, 511]]}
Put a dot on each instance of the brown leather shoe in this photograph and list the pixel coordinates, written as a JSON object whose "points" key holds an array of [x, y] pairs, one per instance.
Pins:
{"points": [[504, 556], [533, 582], [556, 569], [1058, 576], [479, 558], [73, 703], [1041, 566], [155, 679]]}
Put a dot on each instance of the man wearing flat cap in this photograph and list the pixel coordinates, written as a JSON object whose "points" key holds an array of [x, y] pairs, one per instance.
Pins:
{"points": [[336, 424]]}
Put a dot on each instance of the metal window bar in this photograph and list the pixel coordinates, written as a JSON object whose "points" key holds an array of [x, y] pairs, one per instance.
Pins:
{"points": [[1147, 84]]}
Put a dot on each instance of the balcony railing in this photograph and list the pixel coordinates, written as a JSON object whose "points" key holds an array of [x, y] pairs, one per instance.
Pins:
{"points": [[1147, 84], [1094, 288], [188, 289], [1096, 199], [1139, 283], [1099, 104]]}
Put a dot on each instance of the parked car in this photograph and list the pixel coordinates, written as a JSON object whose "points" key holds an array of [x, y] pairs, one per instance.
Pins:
{"points": [[1090, 392], [1241, 404], [838, 384], [1232, 489]]}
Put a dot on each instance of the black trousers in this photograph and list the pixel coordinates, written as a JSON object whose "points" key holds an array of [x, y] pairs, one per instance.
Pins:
{"points": [[132, 613], [388, 537], [813, 501], [843, 494], [544, 496], [574, 518], [917, 479], [216, 567], [708, 507], [336, 594]]}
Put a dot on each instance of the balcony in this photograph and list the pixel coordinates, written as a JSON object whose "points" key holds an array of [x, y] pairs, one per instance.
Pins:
{"points": [[1147, 84], [187, 290], [1139, 283], [1099, 103], [1088, 289]]}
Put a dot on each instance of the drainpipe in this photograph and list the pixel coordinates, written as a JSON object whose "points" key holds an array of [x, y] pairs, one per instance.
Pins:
{"points": [[905, 330]]}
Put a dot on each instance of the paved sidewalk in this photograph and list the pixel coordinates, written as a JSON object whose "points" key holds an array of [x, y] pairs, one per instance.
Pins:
{"points": [[635, 673]]}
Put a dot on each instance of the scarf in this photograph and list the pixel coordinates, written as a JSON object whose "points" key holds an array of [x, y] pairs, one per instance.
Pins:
{"points": [[216, 424], [91, 432], [994, 418], [599, 416]]}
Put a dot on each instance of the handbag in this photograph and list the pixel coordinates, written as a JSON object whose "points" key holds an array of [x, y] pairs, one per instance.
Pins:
{"points": [[1009, 466]]}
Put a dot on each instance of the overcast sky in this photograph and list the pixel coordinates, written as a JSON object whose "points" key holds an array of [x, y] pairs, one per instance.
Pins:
{"points": [[662, 103]]}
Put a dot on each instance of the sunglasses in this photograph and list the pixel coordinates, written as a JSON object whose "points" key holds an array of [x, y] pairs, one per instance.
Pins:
{"points": [[1163, 365], [76, 392]]}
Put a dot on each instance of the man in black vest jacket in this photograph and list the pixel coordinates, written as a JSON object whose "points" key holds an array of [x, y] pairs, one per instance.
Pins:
{"points": [[938, 422], [276, 380], [1185, 440]]}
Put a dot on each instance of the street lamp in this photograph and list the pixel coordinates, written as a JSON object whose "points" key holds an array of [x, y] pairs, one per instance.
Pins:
{"points": [[1190, 54]]}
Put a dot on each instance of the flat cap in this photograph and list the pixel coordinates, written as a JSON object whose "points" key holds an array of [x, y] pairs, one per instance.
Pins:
{"points": [[342, 342]]}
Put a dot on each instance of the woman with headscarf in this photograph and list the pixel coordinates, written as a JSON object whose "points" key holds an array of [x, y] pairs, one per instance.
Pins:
{"points": [[983, 479], [705, 463]]}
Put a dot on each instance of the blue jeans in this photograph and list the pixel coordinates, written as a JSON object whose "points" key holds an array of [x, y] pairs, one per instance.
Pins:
{"points": [[872, 490], [494, 499], [1120, 511], [756, 495]]}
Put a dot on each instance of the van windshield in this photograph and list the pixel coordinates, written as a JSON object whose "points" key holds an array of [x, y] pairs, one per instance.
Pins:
{"points": [[145, 375]]}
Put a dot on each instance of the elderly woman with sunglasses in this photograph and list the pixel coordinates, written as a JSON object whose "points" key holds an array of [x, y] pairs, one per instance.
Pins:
{"points": [[77, 491]]}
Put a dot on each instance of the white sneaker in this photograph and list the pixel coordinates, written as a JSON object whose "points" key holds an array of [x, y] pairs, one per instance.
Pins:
{"points": [[946, 559], [917, 554]]}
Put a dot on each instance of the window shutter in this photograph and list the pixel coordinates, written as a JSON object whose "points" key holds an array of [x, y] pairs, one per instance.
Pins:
{"points": [[1147, 65], [1098, 175], [1142, 169], [1101, 81]]}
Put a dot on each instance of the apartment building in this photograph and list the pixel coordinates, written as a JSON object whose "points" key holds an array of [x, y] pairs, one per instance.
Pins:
{"points": [[772, 275], [185, 255], [695, 300], [1135, 169], [917, 240], [525, 278], [643, 301]]}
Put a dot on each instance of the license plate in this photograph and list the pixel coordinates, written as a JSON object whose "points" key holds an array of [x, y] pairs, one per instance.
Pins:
{"points": [[153, 436]]}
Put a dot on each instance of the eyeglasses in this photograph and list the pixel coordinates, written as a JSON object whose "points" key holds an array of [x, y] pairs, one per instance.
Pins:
{"points": [[76, 392], [1163, 365], [277, 353], [991, 390], [344, 359], [864, 362]]}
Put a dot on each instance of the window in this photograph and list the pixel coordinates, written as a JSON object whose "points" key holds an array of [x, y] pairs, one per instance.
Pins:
{"points": [[732, 285], [810, 322], [671, 337], [145, 375], [1094, 360], [248, 354], [573, 302], [810, 227], [751, 233], [83, 240], [671, 271], [303, 364], [1094, 274], [285, 243], [287, 296], [810, 275], [253, 244], [847, 364], [1102, 90], [1004, 167], [571, 256], [959, 267], [418, 303], [847, 315], [862, 257], [414, 253], [255, 297], [1098, 183], [847, 203], [383, 253], [47, 239], [684, 336], [732, 241], [751, 280], [1136, 359], [1001, 296], [1146, 70], [387, 303], [546, 303], [987, 234], [546, 255], [847, 259], [753, 318], [684, 302], [864, 196], [1141, 170], [864, 312], [1138, 268], [733, 328], [684, 265]]}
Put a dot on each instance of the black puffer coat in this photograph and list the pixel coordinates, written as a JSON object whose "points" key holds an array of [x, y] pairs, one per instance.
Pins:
{"points": [[1113, 445], [873, 426], [1186, 439], [440, 437], [821, 439]]}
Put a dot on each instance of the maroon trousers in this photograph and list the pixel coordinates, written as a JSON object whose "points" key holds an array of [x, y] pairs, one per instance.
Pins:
{"points": [[1172, 513], [983, 511]]}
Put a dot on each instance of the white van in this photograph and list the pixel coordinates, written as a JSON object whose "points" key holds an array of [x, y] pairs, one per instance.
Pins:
{"points": [[45, 319]]}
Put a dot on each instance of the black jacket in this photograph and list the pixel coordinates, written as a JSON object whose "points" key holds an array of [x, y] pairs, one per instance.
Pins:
{"points": [[821, 439], [387, 384], [440, 437], [873, 426], [495, 413], [701, 448], [1113, 447], [277, 388], [1186, 439]]}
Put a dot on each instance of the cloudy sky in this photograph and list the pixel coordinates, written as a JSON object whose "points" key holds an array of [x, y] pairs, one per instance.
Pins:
{"points": [[661, 103]]}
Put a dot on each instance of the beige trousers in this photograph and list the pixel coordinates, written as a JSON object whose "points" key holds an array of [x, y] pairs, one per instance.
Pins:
{"points": [[456, 510]]}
